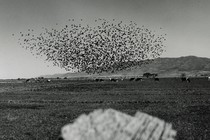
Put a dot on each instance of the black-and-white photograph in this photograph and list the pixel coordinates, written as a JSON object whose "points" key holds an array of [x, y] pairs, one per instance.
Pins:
{"points": [[104, 70]]}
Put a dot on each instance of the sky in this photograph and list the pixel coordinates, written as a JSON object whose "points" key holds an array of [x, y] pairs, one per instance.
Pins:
{"points": [[186, 23]]}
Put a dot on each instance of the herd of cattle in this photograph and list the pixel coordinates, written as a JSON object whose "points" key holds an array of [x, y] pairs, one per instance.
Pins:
{"points": [[122, 79], [183, 79], [43, 80], [37, 80]]}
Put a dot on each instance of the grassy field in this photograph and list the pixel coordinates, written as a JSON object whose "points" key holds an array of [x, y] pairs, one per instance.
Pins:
{"points": [[37, 111]]}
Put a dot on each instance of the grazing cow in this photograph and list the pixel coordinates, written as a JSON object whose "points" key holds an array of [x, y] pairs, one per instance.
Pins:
{"points": [[157, 79], [113, 80], [27, 80], [187, 79], [150, 75], [132, 79], [138, 79], [208, 78], [40, 78], [183, 79], [99, 80]]}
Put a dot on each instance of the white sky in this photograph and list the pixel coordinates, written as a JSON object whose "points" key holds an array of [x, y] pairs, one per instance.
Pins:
{"points": [[186, 23]]}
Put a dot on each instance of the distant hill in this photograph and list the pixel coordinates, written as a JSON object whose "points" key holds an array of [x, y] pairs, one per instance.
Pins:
{"points": [[164, 67]]}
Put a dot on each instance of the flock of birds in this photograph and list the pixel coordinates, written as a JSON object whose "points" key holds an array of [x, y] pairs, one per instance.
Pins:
{"points": [[107, 46]]}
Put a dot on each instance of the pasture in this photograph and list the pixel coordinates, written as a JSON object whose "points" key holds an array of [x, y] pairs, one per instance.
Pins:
{"points": [[37, 111]]}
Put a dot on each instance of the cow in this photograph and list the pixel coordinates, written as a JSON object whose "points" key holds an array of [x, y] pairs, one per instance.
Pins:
{"points": [[187, 79], [156, 79], [40, 78], [32, 80], [27, 80], [113, 80], [150, 75], [99, 80], [183, 79], [131, 79], [208, 78], [138, 79]]}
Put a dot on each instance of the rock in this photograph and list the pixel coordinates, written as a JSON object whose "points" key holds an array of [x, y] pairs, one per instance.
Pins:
{"points": [[113, 125]]}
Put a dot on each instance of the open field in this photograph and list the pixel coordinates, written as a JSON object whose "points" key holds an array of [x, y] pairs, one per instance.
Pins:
{"points": [[37, 111]]}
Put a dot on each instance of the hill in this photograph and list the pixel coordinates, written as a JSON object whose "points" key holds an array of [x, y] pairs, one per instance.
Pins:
{"points": [[164, 67]]}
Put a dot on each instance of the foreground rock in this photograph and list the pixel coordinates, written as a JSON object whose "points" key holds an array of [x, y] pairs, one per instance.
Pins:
{"points": [[113, 125]]}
